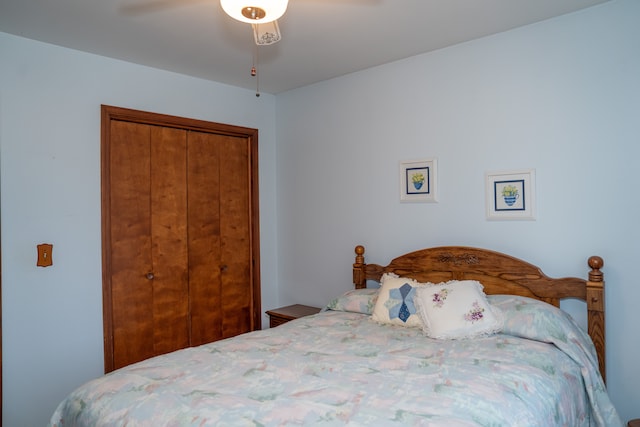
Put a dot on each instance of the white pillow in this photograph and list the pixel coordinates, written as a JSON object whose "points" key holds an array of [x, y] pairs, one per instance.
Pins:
{"points": [[457, 309], [395, 304]]}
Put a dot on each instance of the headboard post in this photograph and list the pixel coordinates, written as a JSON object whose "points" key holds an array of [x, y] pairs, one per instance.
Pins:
{"points": [[359, 278], [595, 309]]}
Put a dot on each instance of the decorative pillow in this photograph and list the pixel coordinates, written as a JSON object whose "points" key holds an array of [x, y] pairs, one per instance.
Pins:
{"points": [[395, 303], [457, 309], [355, 301]]}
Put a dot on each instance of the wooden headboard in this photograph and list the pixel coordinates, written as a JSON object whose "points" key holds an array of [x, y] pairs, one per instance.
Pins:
{"points": [[499, 274]]}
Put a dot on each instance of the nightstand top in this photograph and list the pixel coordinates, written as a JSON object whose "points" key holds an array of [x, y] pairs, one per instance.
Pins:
{"points": [[293, 311]]}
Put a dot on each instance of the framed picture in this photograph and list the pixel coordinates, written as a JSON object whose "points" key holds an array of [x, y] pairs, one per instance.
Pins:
{"points": [[511, 195], [418, 182]]}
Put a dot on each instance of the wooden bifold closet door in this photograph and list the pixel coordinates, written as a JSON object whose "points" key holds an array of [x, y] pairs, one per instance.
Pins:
{"points": [[180, 234]]}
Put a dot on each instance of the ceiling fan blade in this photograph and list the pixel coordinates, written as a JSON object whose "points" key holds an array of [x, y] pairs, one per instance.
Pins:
{"points": [[151, 6]]}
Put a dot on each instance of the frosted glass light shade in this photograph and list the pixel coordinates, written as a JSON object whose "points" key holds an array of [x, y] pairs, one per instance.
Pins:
{"points": [[266, 33], [255, 11]]}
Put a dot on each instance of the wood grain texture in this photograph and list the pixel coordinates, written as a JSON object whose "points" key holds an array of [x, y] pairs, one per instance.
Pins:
{"points": [[170, 303], [204, 236], [130, 244], [180, 233], [499, 274], [596, 310], [235, 237]]}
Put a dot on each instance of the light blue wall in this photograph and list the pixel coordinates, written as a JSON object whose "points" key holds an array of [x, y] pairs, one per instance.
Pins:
{"points": [[50, 101], [561, 96]]}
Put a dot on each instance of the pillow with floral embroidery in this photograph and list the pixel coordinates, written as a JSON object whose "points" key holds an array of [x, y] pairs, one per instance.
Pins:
{"points": [[457, 309], [395, 303], [355, 301]]}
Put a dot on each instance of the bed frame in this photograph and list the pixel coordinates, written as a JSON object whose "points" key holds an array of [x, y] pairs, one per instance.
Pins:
{"points": [[499, 274]]}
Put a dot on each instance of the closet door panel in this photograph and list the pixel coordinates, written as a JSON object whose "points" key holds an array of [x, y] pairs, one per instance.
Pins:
{"points": [[130, 214], [169, 239], [205, 265], [235, 236], [180, 233]]}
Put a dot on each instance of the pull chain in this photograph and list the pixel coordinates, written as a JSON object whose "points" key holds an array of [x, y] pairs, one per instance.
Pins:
{"points": [[254, 71]]}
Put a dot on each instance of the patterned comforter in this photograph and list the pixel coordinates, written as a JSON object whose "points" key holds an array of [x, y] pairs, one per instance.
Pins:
{"points": [[340, 368]]}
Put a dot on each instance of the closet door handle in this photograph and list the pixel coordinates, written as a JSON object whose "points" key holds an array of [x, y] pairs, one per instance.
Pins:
{"points": [[150, 275], [223, 268]]}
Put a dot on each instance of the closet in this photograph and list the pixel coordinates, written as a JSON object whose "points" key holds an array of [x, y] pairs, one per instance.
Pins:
{"points": [[180, 233]]}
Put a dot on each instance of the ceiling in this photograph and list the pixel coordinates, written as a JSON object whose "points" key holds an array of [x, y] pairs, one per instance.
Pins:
{"points": [[321, 39]]}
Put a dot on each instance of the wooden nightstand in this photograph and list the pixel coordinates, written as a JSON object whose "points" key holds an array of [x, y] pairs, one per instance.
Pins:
{"points": [[281, 315], [634, 423]]}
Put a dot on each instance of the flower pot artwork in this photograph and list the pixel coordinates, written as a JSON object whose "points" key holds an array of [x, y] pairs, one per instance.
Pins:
{"points": [[510, 194], [418, 180], [510, 200]]}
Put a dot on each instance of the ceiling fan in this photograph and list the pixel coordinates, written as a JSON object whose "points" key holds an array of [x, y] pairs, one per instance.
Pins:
{"points": [[262, 15]]}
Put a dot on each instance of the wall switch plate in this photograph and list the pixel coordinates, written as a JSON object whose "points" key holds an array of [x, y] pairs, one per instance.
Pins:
{"points": [[45, 258]]}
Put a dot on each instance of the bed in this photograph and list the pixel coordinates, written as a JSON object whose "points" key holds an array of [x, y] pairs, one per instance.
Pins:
{"points": [[402, 353]]}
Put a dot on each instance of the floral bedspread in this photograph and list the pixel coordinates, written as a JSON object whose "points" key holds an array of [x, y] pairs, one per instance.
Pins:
{"points": [[339, 368]]}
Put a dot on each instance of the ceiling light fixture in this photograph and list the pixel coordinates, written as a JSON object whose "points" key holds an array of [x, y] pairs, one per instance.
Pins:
{"points": [[262, 15], [255, 11]]}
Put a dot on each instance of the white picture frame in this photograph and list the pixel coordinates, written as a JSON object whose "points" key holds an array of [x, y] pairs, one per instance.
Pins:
{"points": [[418, 181], [511, 195]]}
